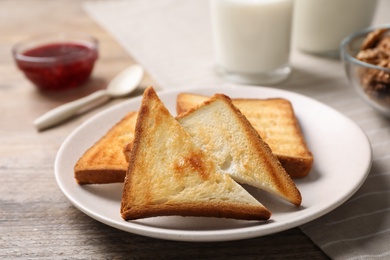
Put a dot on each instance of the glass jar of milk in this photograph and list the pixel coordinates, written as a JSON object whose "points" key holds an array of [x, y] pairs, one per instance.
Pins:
{"points": [[321, 25], [252, 39]]}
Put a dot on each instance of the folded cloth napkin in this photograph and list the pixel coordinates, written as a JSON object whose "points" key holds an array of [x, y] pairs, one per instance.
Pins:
{"points": [[172, 40]]}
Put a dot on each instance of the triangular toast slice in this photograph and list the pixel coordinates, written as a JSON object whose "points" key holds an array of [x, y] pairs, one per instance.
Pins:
{"points": [[275, 121], [104, 162], [169, 175], [222, 131]]}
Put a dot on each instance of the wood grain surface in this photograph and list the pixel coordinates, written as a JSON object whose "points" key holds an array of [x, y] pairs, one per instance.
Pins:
{"points": [[36, 220]]}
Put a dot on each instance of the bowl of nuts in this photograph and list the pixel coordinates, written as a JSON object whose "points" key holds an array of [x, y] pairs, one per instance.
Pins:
{"points": [[366, 58]]}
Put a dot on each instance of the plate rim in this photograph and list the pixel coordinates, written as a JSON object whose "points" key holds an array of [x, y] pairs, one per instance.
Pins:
{"points": [[206, 235]]}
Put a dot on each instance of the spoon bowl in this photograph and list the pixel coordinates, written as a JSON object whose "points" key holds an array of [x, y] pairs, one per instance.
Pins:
{"points": [[126, 81], [122, 84]]}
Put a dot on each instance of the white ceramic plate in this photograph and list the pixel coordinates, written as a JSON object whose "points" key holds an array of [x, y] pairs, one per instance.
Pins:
{"points": [[341, 150]]}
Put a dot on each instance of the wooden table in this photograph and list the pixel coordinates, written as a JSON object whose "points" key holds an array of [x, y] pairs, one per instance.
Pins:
{"points": [[36, 220]]}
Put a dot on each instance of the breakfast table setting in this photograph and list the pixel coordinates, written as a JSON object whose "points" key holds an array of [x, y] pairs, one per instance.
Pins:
{"points": [[181, 47]]}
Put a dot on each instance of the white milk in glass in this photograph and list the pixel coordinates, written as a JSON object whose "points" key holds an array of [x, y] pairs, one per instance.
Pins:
{"points": [[252, 39], [321, 25]]}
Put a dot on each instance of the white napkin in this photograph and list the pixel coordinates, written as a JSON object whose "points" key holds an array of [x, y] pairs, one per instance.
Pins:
{"points": [[172, 40], [168, 37]]}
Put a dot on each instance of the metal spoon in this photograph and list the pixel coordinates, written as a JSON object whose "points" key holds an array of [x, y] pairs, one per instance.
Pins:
{"points": [[122, 84]]}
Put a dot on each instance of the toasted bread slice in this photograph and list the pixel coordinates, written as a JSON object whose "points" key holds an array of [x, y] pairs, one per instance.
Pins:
{"points": [[275, 121], [221, 130], [169, 175], [105, 162]]}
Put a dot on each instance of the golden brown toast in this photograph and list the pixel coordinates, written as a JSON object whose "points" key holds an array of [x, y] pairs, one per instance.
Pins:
{"points": [[275, 121], [169, 175], [225, 134], [105, 162]]}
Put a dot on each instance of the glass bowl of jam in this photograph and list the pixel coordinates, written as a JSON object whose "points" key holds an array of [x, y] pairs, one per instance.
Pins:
{"points": [[54, 62]]}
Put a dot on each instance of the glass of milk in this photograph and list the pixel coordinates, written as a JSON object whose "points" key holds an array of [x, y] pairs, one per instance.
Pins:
{"points": [[252, 39], [321, 25]]}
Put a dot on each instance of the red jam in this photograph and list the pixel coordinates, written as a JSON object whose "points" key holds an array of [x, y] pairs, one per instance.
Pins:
{"points": [[58, 66]]}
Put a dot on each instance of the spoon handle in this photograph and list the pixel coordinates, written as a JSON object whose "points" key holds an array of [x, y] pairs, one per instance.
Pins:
{"points": [[65, 111]]}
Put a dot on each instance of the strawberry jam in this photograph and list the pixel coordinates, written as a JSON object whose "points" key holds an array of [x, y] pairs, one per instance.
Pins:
{"points": [[58, 66]]}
